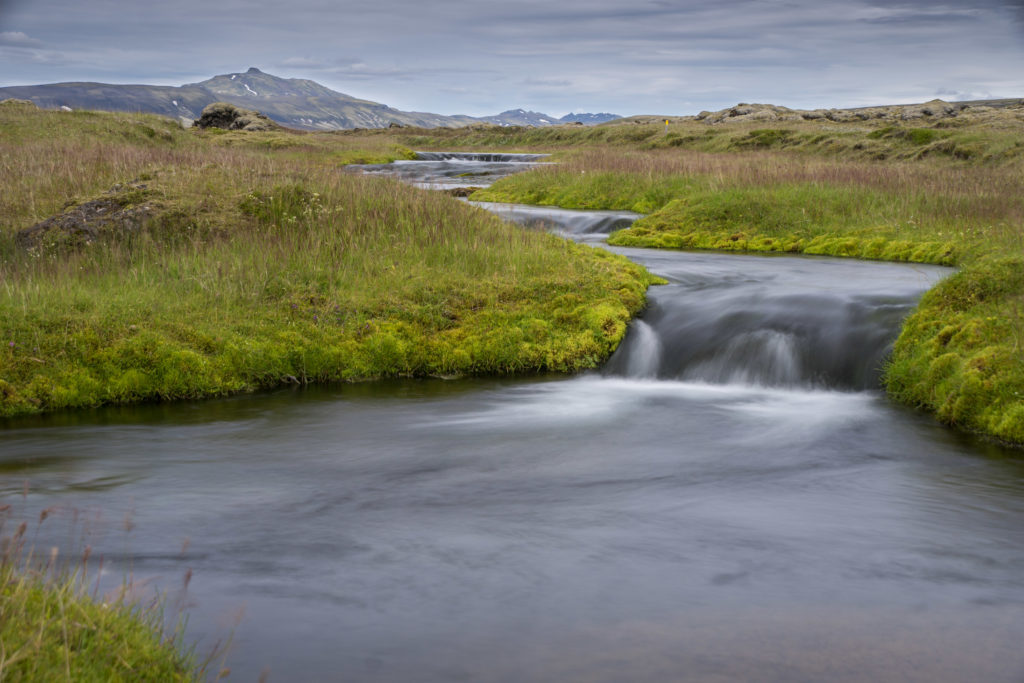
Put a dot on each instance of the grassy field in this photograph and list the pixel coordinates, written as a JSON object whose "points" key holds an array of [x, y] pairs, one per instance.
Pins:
{"points": [[902, 195], [256, 260], [992, 140]]}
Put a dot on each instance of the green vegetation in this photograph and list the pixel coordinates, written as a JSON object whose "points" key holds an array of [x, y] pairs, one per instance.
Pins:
{"points": [[959, 356], [234, 261], [52, 629], [990, 142]]}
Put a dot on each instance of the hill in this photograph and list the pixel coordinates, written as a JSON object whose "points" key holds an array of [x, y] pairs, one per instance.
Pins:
{"points": [[292, 102], [536, 119]]}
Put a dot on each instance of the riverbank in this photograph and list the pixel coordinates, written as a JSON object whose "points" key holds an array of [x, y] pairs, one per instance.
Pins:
{"points": [[189, 264], [958, 355]]}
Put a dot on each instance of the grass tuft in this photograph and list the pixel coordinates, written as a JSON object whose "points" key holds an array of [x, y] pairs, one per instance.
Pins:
{"points": [[53, 629]]}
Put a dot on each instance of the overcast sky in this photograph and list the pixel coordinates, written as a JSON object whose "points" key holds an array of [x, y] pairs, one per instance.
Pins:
{"points": [[481, 57]]}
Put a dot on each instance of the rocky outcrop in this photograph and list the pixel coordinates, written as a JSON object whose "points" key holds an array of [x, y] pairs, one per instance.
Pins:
{"points": [[123, 211], [929, 111], [229, 117]]}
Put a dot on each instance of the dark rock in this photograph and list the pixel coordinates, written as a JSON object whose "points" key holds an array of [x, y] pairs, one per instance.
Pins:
{"points": [[461, 191]]}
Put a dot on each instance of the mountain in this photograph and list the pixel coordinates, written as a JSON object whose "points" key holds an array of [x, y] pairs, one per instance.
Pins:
{"points": [[300, 103], [292, 102], [520, 117], [171, 101], [589, 119]]}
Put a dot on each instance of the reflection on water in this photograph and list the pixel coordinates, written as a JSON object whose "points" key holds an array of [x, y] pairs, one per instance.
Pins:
{"points": [[732, 498]]}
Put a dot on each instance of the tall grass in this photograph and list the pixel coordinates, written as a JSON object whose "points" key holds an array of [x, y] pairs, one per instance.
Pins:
{"points": [[925, 202]]}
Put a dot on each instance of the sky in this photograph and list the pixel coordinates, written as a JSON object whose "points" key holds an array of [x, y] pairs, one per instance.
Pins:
{"points": [[481, 57]]}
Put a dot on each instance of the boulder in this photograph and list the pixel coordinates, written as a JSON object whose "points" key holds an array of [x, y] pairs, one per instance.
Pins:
{"points": [[229, 117]]}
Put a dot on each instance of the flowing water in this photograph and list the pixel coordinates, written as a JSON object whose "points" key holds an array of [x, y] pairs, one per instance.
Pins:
{"points": [[449, 170], [730, 499]]}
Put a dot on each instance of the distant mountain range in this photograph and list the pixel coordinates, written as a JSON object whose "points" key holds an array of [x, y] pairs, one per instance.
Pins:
{"points": [[519, 117], [292, 102]]}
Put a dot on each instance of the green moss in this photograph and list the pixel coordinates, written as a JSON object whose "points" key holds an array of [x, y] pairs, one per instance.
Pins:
{"points": [[960, 355]]}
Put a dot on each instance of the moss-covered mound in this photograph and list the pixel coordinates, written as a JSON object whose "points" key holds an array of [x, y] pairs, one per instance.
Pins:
{"points": [[229, 117]]}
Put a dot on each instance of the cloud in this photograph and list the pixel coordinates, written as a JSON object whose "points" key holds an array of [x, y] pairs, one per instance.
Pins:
{"points": [[453, 56], [312, 64], [547, 82], [922, 17], [951, 95], [18, 39]]}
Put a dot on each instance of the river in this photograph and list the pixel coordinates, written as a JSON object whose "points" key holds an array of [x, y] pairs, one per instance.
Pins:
{"points": [[731, 498]]}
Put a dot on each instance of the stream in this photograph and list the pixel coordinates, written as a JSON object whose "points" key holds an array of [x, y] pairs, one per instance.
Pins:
{"points": [[731, 498]]}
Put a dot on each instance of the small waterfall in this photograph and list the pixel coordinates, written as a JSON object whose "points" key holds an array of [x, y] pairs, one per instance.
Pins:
{"points": [[479, 156], [645, 356], [736, 335], [567, 222], [762, 357]]}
